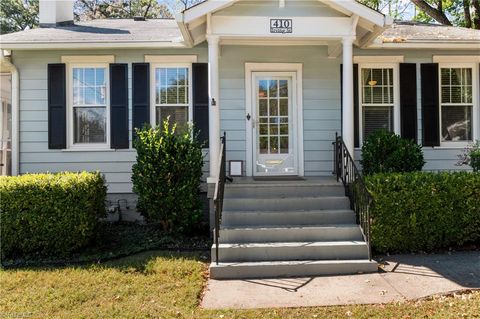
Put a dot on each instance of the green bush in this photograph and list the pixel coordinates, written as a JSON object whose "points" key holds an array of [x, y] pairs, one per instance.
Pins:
{"points": [[386, 152], [471, 156], [424, 211], [166, 177], [49, 214]]}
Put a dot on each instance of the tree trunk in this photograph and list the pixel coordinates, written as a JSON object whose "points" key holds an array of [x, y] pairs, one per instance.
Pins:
{"points": [[476, 15], [466, 12], [436, 14]]}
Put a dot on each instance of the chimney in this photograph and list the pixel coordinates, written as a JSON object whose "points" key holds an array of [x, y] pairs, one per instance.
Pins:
{"points": [[56, 13]]}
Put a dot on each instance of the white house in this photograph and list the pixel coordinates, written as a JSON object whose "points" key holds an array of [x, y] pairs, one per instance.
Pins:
{"points": [[280, 77]]}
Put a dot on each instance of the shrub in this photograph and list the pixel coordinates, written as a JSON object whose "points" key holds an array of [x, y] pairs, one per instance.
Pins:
{"points": [[423, 211], [166, 177], [386, 152], [471, 156], [49, 214]]}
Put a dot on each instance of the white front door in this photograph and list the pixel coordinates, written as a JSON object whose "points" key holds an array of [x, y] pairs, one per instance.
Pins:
{"points": [[273, 121]]}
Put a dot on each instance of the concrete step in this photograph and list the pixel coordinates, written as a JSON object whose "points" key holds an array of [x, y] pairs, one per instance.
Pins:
{"points": [[302, 268], [285, 217], [333, 250], [282, 190], [282, 204], [263, 234]]}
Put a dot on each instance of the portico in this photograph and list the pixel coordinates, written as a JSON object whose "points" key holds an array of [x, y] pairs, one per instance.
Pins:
{"points": [[334, 25]]}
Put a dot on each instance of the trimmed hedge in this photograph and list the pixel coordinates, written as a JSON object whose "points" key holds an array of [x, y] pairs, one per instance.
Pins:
{"points": [[423, 211], [50, 214], [167, 176]]}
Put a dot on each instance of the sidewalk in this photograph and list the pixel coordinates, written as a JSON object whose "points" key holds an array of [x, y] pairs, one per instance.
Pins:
{"points": [[403, 277]]}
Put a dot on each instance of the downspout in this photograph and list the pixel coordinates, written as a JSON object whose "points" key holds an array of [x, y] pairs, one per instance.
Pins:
{"points": [[6, 65]]}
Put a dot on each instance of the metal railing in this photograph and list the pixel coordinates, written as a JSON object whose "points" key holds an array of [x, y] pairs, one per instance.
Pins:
{"points": [[355, 188], [219, 191]]}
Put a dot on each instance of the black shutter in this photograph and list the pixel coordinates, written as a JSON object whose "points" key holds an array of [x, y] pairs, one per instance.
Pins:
{"points": [[57, 107], [408, 100], [430, 104], [356, 104], [118, 106], [200, 101], [140, 95]]}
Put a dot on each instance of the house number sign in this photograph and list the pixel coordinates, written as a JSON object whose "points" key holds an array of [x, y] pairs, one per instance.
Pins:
{"points": [[280, 25]]}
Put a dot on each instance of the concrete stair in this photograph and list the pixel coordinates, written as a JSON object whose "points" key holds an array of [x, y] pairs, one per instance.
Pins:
{"points": [[288, 228]]}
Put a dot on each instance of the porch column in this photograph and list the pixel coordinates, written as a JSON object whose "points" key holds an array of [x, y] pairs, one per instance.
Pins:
{"points": [[347, 95], [214, 107]]}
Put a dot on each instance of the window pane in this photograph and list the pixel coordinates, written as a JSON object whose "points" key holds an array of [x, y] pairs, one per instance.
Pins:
{"points": [[173, 84], [89, 86], [89, 77], [456, 123], [456, 85], [376, 118], [178, 115], [273, 89], [377, 86], [89, 125]]}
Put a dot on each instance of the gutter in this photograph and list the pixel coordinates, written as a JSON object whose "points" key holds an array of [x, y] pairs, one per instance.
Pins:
{"points": [[7, 66], [81, 45]]}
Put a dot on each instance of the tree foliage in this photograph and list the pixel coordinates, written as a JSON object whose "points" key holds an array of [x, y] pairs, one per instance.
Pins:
{"points": [[122, 9], [463, 13], [18, 15]]}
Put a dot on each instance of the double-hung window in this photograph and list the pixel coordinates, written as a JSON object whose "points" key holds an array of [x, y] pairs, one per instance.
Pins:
{"points": [[377, 89], [456, 103], [172, 98], [88, 114]]}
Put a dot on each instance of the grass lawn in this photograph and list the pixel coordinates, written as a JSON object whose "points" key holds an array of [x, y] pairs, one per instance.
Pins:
{"points": [[168, 285]]}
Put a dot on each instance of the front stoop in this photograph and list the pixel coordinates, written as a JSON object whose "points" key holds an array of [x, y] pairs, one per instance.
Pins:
{"points": [[288, 229]]}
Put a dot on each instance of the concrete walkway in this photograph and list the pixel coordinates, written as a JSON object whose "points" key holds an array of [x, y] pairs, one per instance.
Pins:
{"points": [[403, 277]]}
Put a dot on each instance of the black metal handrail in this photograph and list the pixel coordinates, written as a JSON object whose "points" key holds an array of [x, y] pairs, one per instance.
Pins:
{"points": [[355, 188], [219, 191]]}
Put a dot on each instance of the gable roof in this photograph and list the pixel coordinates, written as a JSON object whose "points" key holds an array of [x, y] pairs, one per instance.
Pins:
{"points": [[348, 7]]}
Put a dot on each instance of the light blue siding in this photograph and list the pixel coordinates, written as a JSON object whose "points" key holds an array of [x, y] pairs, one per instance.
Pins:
{"points": [[34, 153], [321, 104], [321, 99]]}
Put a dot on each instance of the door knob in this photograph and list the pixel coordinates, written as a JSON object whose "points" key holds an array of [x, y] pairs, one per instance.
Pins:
{"points": [[248, 116]]}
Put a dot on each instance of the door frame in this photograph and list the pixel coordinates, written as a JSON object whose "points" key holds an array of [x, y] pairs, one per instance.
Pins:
{"points": [[297, 109]]}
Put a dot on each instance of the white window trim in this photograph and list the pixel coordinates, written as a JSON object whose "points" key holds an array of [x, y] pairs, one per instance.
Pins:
{"points": [[170, 58], [372, 59], [475, 96], [153, 107], [88, 59], [396, 95], [69, 83]]}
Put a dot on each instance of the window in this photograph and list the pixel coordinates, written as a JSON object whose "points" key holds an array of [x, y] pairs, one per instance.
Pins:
{"points": [[172, 95], [89, 106], [377, 102], [456, 104]]}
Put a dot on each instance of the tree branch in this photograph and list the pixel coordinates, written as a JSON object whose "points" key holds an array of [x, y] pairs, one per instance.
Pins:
{"points": [[476, 16], [466, 13], [436, 14]]}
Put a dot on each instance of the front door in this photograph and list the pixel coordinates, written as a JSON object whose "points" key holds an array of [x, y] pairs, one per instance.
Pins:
{"points": [[273, 125]]}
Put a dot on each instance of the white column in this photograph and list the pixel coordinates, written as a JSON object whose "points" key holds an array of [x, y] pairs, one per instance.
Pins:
{"points": [[214, 107], [347, 96]]}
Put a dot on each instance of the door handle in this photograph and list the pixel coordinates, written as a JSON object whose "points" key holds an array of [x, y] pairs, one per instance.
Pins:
{"points": [[248, 117]]}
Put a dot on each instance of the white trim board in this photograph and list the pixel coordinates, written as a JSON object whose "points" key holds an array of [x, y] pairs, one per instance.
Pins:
{"points": [[88, 59], [378, 59], [456, 59], [274, 67], [174, 59]]}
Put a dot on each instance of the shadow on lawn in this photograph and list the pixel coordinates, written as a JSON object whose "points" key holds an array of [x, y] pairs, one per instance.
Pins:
{"points": [[116, 241], [462, 268]]}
